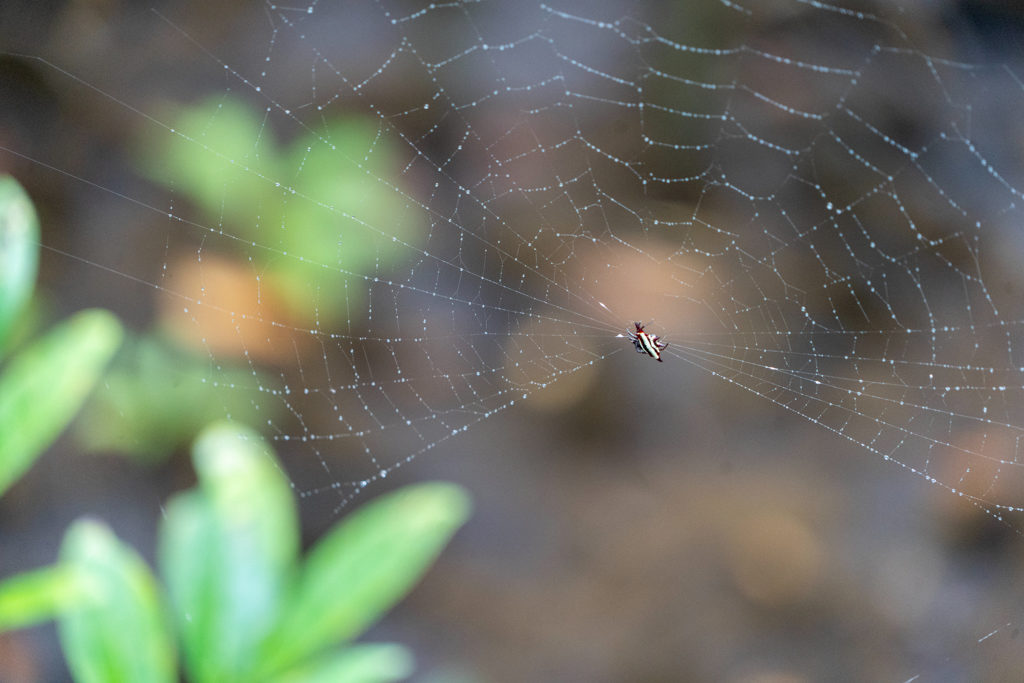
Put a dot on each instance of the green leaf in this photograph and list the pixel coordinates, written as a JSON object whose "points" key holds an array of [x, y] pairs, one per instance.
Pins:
{"points": [[365, 565], [190, 573], [19, 252], [119, 630], [156, 398], [228, 551], [222, 155], [334, 219], [376, 663], [44, 386], [35, 596], [348, 219], [370, 663]]}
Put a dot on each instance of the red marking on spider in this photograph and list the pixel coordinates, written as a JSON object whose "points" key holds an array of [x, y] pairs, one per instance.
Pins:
{"points": [[650, 344]]}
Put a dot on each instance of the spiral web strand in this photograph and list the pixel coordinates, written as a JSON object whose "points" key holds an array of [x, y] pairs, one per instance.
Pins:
{"points": [[812, 206], [814, 231], [799, 243], [810, 202]]}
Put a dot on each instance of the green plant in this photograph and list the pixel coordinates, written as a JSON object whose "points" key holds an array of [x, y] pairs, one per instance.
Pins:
{"points": [[238, 603], [43, 386], [331, 222], [160, 396], [19, 254]]}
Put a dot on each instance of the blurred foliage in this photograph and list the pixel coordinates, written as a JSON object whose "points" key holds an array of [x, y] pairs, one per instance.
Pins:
{"points": [[322, 234], [156, 397], [43, 387], [113, 626], [239, 603], [19, 253], [45, 384]]}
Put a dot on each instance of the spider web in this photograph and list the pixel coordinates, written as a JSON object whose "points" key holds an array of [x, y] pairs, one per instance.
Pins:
{"points": [[817, 226], [812, 202]]}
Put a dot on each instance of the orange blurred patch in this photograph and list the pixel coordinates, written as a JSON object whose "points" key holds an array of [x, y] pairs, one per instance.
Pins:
{"points": [[657, 285], [221, 306], [980, 463], [773, 677], [545, 356], [775, 558], [568, 391], [18, 659]]}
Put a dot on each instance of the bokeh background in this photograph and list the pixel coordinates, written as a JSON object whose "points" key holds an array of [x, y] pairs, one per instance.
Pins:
{"points": [[633, 522]]}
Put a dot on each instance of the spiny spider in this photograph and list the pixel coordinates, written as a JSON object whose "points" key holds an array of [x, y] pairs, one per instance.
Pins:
{"points": [[650, 344]]}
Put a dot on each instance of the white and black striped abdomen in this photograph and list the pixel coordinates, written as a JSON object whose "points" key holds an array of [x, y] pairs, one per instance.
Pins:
{"points": [[644, 344]]}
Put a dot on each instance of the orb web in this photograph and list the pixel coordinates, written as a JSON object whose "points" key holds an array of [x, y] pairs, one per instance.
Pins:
{"points": [[810, 204], [813, 205]]}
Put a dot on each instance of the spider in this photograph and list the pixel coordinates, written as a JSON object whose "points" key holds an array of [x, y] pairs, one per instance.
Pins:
{"points": [[646, 343]]}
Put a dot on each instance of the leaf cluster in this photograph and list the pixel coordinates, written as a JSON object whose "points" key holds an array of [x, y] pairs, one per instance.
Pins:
{"points": [[234, 601]]}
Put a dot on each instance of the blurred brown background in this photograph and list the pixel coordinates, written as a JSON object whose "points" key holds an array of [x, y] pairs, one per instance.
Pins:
{"points": [[633, 522]]}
